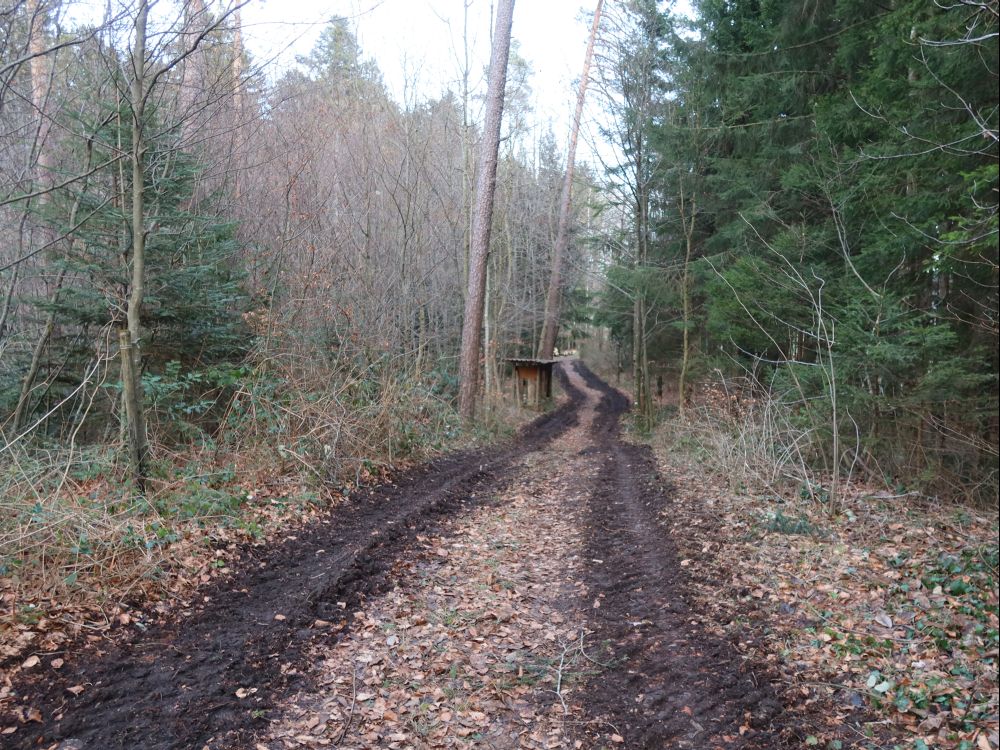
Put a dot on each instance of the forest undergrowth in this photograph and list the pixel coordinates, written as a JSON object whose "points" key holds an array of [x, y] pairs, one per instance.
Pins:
{"points": [[82, 553], [880, 602]]}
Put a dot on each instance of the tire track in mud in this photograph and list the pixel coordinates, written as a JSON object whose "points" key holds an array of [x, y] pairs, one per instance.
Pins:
{"points": [[174, 686], [672, 683], [668, 682]]}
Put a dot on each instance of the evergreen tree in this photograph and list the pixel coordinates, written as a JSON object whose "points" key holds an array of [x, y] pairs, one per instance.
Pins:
{"points": [[192, 311], [844, 166]]}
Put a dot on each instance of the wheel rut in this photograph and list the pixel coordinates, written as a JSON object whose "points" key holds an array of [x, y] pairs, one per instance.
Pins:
{"points": [[586, 599], [673, 684], [178, 685]]}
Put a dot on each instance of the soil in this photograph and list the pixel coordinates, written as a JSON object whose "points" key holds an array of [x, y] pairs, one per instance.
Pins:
{"points": [[217, 675], [673, 684]]}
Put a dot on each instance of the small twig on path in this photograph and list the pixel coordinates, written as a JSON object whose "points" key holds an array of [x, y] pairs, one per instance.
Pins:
{"points": [[350, 713], [568, 649], [559, 676], [101, 630], [591, 659]]}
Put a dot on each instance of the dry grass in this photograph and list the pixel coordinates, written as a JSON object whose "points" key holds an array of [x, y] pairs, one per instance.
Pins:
{"points": [[78, 547], [749, 441], [53, 539]]}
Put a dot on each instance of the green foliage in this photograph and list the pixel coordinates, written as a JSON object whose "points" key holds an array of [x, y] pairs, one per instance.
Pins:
{"points": [[844, 167], [195, 501], [184, 402], [194, 292], [192, 316], [782, 524], [950, 598], [337, 54]]}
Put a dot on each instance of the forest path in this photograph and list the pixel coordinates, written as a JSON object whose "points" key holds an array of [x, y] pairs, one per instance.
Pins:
{"points": [[553, 618], [527, 596]]}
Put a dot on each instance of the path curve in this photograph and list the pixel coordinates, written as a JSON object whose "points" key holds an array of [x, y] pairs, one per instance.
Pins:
{"points": [[592, 607]]}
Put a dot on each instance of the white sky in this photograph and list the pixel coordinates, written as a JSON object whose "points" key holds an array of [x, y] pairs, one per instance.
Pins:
{"points": [[417, 44]]}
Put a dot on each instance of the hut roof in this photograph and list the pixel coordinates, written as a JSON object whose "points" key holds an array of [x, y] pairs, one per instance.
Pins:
{"points": [[530, 361]]}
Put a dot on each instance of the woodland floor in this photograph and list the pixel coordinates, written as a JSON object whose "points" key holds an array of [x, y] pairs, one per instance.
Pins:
{"points": [[526, 596]]}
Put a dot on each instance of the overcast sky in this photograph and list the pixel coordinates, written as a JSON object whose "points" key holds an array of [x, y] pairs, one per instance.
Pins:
{"points": [[418, 43]]}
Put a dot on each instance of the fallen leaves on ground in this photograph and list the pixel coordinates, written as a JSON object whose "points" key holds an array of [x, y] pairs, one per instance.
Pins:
{"points": [[885, 611], [475, 645], [91, 604], [458, 650]]}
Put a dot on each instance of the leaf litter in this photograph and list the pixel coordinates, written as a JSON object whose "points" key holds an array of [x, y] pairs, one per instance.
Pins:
{"points": [[475, 645], [880, 618], [562, 614], [556, 617], [185, 680]]}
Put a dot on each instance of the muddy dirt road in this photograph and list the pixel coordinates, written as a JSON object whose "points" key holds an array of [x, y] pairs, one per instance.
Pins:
{"points": [[523, 596]]}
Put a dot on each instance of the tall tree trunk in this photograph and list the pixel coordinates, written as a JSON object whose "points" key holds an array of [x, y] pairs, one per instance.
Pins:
{"points": [[239, 104], [468, 362], [467, 171], [40, 74], [422, 335], [236, 66], [640, 361], [647, 388], [8, 299], [689, 211], [130, 339], [193, 75], [550, 328], [488, 338], [637, 335], [640, 364]]}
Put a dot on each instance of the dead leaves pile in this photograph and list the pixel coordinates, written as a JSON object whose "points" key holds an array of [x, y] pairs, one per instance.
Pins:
{"points": [[884, 613]]}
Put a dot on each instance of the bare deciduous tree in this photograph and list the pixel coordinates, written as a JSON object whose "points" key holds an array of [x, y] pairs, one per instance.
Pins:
{"points": [[550, 327]]}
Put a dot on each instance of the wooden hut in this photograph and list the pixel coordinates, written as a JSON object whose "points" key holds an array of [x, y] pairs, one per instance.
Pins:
{"points": [[532, 381]]}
